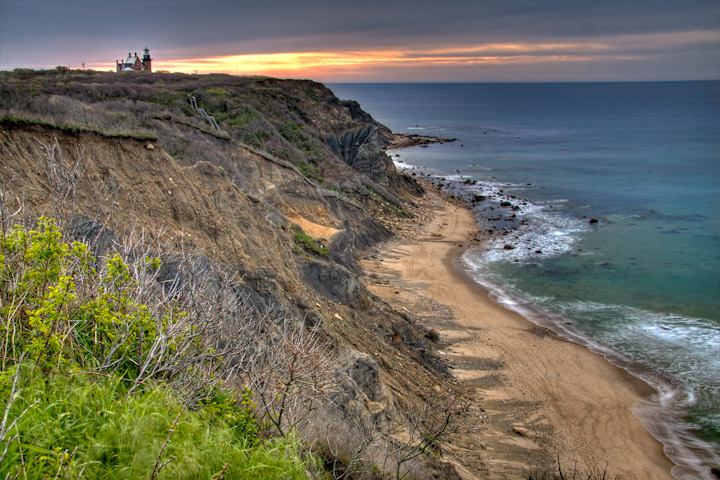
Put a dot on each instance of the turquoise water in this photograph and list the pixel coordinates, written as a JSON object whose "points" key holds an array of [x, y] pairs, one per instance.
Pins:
{"points": [[642, 285]]}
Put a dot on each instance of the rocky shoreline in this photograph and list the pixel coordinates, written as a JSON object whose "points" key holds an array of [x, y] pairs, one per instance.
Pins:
{"points": [[406, 140]]}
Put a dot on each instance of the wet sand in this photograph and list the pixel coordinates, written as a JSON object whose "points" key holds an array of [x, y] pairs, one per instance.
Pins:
{"points": [[574, 404]]}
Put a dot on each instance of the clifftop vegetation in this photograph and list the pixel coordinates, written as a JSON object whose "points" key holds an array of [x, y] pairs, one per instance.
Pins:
{"points": [[296, 121]]}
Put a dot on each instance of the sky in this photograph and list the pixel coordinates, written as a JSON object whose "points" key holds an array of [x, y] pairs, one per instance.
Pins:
{"points": [[374, 40]]}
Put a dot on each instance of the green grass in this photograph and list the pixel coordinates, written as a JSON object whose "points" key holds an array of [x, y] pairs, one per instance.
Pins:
{"points": [[70, 128], [217, 91], [117, 438], [166, 97], [387, 206], [309, 243], [397, 210], [334, 189]]}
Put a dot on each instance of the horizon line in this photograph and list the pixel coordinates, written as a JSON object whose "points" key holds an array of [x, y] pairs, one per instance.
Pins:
{"points": [[381, 82]]}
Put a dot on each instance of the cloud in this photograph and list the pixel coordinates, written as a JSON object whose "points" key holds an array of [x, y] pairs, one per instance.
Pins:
{"points": [[288, 35], [341, 64]]}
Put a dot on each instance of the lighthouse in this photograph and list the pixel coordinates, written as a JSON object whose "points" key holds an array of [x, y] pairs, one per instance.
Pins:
{"points": [[133, 62], [146, 60]]}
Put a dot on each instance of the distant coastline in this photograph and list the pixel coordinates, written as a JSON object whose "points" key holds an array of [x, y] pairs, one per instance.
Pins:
{"points": [[406, 140]]}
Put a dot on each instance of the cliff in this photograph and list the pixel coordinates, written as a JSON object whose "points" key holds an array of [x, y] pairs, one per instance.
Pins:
{"points": [[290, 189]]}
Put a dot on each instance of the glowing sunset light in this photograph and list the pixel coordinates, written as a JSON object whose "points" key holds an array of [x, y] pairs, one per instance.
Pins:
{"points": [[373, 63], [304, 63]]}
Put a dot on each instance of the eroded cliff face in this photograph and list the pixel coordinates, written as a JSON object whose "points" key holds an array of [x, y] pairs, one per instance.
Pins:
{"points": [[242, 207], [127, 185]]}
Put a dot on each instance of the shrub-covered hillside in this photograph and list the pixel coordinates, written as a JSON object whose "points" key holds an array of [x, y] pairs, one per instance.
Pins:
{"points": [[179, 286], [110, 373]]}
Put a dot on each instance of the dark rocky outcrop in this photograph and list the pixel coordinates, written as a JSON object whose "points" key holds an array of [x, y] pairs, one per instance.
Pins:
{"points": [[342, 249], [88, 230], [361, 147], [356, 112], [364, 371], [362, 394], [332, 281]]}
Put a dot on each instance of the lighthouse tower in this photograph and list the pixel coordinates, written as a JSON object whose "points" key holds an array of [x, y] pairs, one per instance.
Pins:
{"points": [[146, 60]]}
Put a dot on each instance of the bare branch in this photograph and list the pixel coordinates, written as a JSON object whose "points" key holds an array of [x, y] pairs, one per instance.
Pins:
{"points": [[64, 177], [4, 427], [158, 467]]}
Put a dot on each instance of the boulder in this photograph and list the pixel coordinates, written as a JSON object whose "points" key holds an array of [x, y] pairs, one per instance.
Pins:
{"points": [[342, 248], [365, 372], [95, 234], [332, 281]]}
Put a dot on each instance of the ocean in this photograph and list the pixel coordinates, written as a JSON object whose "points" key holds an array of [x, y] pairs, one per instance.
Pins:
{"points": [[605, 204]]}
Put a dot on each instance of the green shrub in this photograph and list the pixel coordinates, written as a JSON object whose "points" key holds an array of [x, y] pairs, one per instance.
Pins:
{"points": [[80, 401], [311, 93], [311, 170], [257, 139], [292, 132], [61, 312], [243, 118], [296, 134]]}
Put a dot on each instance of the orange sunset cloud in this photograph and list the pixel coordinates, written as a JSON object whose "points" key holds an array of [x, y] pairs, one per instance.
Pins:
{"points": [[306, 63]]}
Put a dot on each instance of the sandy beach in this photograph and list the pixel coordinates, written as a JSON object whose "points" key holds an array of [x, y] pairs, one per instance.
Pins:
{"points": [[568, 402]]}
